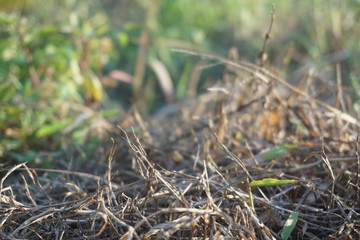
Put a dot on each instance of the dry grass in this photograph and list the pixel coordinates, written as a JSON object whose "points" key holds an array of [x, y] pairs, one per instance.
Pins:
{"points": [[173, 178]]}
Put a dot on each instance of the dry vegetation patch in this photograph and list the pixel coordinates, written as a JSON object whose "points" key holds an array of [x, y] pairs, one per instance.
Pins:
{"points": [[187, 173]]}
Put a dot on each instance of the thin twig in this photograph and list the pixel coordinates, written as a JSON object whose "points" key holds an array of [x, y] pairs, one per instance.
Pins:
{"points": [[325, 159], [313, 164], [263, 55], [261, 73], [80, 174], [339, 94], [357, 165], [142, 49]]}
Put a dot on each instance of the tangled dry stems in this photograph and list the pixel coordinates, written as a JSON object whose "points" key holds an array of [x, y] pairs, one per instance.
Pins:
{"points": [[176, 180]]}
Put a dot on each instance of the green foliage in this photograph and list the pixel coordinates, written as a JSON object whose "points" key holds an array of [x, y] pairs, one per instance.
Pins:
{"points": [[277, 151], [289, 225], [267, 182], [49, 129], [46, 71], [355, 83]]}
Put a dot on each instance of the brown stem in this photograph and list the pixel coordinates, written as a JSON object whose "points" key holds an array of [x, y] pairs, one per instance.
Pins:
{"points": [[141, 54]]}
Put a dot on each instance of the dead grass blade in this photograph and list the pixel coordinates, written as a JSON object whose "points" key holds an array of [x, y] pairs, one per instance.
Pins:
{"points": [[264, 75]]}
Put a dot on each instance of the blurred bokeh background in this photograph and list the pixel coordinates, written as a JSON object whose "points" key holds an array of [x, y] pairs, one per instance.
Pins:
{"points": [[69, 67]]}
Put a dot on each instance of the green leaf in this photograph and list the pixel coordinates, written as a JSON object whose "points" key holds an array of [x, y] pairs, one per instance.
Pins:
{"points": [[238, 136], [93, 86], [52, 128], [123, 39], [266, 182], [109, 113], [10, 144], [7, 92], [24, 157], [10, 111], [289, 225], [277, 151]]}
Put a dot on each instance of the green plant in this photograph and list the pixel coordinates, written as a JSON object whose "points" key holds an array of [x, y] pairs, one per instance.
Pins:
{"points": [[47, 76]]}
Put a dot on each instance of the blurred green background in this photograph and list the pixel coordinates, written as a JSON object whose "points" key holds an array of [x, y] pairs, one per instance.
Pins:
{"points": [[67, 65]]}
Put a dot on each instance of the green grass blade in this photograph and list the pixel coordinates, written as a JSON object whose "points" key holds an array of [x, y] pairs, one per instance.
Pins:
{"points": [[266, 182], [52, 128], [289, 225], [277, 151]]}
